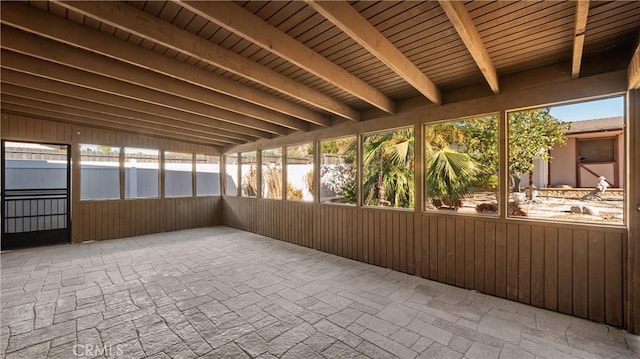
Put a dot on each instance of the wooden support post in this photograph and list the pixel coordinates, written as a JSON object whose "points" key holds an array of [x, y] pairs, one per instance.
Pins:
{"points": [[75, 186], [503, 200], [632, 297]]}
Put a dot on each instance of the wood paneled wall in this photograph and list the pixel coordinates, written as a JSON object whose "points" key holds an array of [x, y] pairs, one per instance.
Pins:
{"points": [[589, 271], [288, 221], [98, 220], [572, 269], [117, 219], [20, 128]]}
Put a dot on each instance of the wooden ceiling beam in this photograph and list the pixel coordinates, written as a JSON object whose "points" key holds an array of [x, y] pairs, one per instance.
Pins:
{"points": [[32, 45], [90, 121], [582, 13], [32, 20], [32, 65], [349, 20], [249, 26], [120, 122], [633, 71], [131, 116], [467, 31], [134, 95], [47, 85], [149, 27]]}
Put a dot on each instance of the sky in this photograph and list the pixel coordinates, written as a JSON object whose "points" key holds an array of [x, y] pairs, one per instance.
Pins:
{"points": [[610, 107]]}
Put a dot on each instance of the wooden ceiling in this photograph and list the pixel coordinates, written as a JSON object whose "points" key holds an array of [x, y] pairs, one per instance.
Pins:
{"points": [[224, 73]]}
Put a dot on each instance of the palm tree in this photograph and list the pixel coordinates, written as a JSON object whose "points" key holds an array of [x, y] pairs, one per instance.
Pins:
{"points": [[450, 176], [388, 169], [460, 155]]}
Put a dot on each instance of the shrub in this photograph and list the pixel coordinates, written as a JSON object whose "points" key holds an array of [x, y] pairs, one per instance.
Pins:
{"points": [[293, 193], [488, 208], [492, 208]]}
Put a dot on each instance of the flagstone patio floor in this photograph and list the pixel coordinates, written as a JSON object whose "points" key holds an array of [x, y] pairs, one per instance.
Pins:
{"points": [[224, 293]]}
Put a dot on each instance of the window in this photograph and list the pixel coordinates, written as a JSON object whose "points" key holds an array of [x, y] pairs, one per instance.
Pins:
{"points": [[461, 165], [207, 175], [388, 169], [99, 172], [567, 162], [272, 173], [338, 169], [141, 176], [249, 174], [178, 174], [300, 172], [231, 175], [35, 166], [597, 150]]}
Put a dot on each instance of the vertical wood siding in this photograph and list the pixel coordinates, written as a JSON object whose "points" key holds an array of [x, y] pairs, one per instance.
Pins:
{"points": [[32, 130], [572, 269], [99, 220], [116, 219]]}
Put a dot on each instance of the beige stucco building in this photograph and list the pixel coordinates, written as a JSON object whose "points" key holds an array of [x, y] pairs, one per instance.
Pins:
{"points": [[594, 148]]}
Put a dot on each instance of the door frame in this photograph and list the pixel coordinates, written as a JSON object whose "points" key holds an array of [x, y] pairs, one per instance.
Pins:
{"points": [[34, 238]]}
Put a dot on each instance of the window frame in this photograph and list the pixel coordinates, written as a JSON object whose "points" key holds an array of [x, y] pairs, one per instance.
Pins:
{"points": [[159, 169], [499, 190], [361, 141], [241, 177], [237, 174], [624, 161], [121, 190], [282, 173], [195, 175], [285, 170], [164, 169], [317, 175]]}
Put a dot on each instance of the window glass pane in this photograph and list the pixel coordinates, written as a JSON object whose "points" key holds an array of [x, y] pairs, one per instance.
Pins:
{"points": [[231, 175], [388, 169], [35, 166], [249, 174], [178, 174], [99, 172], [272, 173], [300, 172], [461, 165], [141, 176], [597, 150], [567, 162], [338, 167], [207, 175]]}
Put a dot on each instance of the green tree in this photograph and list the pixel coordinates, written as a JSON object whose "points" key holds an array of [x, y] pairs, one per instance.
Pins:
{"points": [[388, 168], [481, 140], [448, 134], [532, 134]]}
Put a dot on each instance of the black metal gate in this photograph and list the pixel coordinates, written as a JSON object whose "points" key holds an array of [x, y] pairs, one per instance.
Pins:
{"points": [[40, 215]]}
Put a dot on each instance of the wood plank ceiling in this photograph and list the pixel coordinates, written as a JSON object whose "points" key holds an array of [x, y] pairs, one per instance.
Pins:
{"points": [[223, 73]]}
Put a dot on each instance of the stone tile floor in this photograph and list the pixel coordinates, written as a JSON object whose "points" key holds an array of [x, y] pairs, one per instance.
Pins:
{"points": [[223, 293]]}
